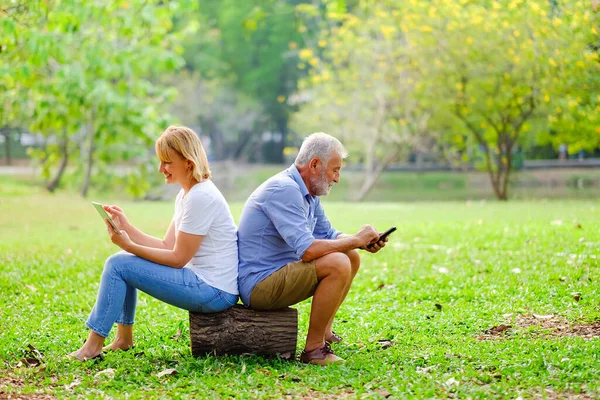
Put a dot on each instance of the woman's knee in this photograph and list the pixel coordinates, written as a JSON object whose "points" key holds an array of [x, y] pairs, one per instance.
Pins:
{"points": [[115, 261]]}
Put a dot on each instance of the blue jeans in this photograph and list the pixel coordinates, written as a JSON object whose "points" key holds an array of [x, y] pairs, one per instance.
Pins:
{"points": [[124, 273]]}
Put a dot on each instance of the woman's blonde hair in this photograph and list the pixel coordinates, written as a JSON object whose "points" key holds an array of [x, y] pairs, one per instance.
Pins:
{"points": [[187, 144]]}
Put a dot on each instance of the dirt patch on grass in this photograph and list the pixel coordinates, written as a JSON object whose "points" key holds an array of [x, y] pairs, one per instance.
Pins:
{"points": [[550, 394], [8, 386], [542, 325]]}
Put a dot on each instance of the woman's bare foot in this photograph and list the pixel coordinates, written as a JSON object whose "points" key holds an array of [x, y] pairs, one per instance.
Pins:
{"points": [[118, 345], [86, 353], [92, 348]]}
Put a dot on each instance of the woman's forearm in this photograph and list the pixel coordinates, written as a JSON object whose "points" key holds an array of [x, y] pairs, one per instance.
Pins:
{"points": [[139, 237], [161, 256]]}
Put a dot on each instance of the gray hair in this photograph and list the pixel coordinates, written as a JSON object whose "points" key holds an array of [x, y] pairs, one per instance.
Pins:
{"points": [[321, 146]]}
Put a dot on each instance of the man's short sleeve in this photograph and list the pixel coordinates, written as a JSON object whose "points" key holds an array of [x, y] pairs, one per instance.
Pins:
{"points": [[287, 210], [199, 212], [323, 228]]}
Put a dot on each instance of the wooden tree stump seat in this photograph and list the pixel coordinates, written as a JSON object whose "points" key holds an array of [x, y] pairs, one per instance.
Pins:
{"points": [[240, 330]]}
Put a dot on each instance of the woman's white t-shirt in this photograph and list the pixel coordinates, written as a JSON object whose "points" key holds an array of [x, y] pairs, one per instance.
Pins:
{"points": [[204, 211]]}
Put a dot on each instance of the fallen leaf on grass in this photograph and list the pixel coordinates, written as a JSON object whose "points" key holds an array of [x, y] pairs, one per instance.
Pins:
{"points": [[451, 382], [108, 373], [516, 270], [73, 385], [385, 343], [31, 287], [576, 296], [32, 358], [426, 370], [556, 222], [497, 330], [383, 393], [177, 335], [286, 356], [538, 316], [438, 306], [168, 371], [578, 226], [28, 362]]}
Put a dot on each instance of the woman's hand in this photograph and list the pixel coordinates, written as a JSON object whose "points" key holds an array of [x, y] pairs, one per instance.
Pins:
{"points": [[118, 216], [122, 240]]}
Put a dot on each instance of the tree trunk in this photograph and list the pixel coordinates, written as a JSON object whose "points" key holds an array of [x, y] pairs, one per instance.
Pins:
{"points": [[7, 135], [51, 187], [241, 144], [90, 157], [282, 127], [372, 176], [240, 330]]}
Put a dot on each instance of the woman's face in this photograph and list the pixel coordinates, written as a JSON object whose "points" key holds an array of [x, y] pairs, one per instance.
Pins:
{"points": [[177, 170]]}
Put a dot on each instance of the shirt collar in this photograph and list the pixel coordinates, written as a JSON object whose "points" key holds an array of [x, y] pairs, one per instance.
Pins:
{"points": [[295, 174]]}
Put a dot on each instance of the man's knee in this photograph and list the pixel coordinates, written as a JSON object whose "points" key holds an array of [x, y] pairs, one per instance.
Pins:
{"points": [[336, 264], [354, 257]]}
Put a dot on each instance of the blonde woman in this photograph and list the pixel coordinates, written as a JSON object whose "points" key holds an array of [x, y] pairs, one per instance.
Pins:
{"points": [[194, 267]]}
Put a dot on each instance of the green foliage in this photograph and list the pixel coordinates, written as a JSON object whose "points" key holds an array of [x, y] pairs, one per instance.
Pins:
{"points": [[83, 74], [461, 75], [485, 264], [250, 48]]}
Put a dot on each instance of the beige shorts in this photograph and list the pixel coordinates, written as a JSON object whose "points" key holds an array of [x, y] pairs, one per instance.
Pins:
{"points": [[291, 284]]}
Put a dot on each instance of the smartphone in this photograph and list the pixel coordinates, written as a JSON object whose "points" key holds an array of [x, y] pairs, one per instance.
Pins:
{"points": [[383, 235], [105, 216]]}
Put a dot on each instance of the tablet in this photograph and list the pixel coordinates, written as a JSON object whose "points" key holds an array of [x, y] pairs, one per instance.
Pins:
{"points": [[105, 216]]}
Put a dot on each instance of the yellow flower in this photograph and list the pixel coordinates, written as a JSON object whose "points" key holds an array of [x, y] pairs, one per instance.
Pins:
{"points": [[322, 43], [388, 31], [469, 40], [280, 99], [305, 54], [292, 45], [313, 61]]}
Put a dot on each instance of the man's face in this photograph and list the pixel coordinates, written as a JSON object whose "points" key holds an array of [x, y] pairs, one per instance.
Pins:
{"points": [[327, 176]]}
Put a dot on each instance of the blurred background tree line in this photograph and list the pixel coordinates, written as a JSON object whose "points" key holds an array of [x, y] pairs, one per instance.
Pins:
{"points": [[468, 82]]}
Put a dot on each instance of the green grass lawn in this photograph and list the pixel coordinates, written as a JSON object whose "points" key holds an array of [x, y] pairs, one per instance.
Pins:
{"points": [[450, 272]]}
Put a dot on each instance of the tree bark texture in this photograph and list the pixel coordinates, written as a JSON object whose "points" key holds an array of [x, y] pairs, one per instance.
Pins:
{"points": [[240, 330]]}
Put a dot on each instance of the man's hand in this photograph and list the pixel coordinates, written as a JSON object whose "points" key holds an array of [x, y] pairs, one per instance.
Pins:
{"points": [[122, 240], [375, 247], [366, 235]]}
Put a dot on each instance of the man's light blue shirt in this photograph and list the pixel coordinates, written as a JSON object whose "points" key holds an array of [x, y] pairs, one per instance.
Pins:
{"points": [[279, 222]]}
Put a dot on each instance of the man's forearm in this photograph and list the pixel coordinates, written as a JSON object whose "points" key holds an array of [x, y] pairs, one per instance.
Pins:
{"points": [[343, 243]]}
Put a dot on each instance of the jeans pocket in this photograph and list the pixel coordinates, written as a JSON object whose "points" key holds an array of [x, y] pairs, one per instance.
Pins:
{"points": [[230, 299], [217, 303]]}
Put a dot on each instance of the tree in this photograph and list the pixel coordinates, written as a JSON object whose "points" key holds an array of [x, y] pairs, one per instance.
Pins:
{"points": [[362, 86], [501, 69], [251, 48], [89, 71]]}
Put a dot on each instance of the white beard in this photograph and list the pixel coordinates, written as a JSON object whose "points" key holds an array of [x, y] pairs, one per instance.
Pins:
{"points": [[320, 185]]}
